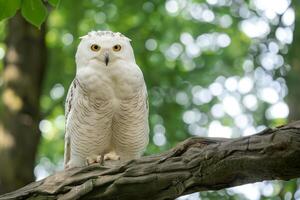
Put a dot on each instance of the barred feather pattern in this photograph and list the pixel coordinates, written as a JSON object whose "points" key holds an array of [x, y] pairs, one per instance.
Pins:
{"points": [[95, 126], [130, 127]]}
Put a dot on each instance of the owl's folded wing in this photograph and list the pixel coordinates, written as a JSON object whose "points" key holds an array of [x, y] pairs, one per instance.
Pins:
{"points": [[68, 108]]}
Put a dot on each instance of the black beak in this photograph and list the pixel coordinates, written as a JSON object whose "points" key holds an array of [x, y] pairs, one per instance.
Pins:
{"points": [[106, 59]]}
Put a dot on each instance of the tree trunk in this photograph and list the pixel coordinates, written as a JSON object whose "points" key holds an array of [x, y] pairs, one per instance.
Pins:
{"points": [[198, 164], [24, 67], [293, 77]]}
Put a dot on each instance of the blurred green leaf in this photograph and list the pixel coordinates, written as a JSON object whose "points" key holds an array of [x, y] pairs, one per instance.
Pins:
{"points": [[34, 11], [54, 3], [8, 8]]}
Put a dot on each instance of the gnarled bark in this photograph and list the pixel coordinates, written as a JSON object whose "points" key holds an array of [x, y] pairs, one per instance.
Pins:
{"points": [[197, 164]]}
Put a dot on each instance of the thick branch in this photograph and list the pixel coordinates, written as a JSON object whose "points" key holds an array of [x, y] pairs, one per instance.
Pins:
{"points": [[197, 164]]}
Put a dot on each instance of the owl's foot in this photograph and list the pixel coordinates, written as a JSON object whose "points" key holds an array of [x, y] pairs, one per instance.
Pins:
{"points": [[111, 156], [94, 159]]}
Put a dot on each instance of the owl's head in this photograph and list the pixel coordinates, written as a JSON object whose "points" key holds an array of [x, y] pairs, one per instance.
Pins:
{"points": [[103, 48]]}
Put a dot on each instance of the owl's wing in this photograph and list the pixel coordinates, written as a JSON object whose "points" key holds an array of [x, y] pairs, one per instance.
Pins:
{"points": [[147, 100], [69, 98], [68, 108]]}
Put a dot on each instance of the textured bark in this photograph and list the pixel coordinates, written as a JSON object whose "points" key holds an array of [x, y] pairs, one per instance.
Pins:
{"points": [[24, 66], [197, 164]]}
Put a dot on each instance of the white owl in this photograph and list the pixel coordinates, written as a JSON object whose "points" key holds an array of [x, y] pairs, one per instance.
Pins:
{"points": [[106, 106]]}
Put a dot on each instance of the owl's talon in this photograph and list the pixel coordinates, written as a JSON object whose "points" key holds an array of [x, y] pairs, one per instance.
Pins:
{"points": [[111, 156], [93, 159]]}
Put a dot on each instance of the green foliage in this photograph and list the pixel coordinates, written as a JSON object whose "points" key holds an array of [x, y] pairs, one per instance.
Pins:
{"points": [[34, 11], [9, 8], [54, 3]]}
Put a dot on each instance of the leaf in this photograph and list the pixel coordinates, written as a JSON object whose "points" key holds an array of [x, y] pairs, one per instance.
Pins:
{"points": [[54, 3], [34, 11], [8, 8]]}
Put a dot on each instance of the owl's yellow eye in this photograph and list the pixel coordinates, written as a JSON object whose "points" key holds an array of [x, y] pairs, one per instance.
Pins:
{"points": [[95, 47], [117, 47]]}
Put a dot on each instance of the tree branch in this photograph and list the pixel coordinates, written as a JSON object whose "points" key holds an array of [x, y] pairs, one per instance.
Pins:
{"points": [[197, 164]]}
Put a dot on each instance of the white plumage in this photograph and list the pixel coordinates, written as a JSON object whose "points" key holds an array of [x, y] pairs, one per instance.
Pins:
{"points": [[106, 106]]}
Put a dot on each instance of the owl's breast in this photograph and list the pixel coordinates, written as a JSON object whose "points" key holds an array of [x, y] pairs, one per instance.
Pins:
{"points": [[126, 80], [119, 81], [96, 83]]}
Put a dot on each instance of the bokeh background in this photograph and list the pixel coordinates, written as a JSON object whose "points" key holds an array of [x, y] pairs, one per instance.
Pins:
{"points": [[216, 68]]}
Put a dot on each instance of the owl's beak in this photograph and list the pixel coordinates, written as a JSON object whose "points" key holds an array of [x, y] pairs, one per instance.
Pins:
{"points": [[106, 59]]}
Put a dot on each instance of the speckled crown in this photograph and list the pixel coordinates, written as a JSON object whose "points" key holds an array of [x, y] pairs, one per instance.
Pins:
{"points": [[105, 34]]}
